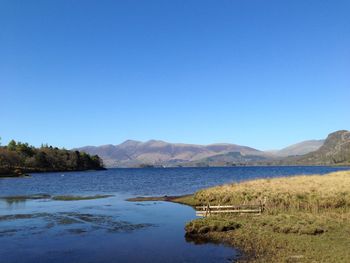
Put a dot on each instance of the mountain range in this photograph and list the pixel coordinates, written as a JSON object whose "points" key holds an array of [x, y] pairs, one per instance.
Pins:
{"points": [[334, 150], [155, 152]]}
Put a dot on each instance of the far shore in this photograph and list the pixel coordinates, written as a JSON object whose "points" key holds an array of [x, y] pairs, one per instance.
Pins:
{"points": [[6, 176], [230, 166], [26, 173]]}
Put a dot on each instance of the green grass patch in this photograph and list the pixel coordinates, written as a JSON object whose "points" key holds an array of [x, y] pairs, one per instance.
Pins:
{"points": [[23, 198], [211, 224], [186, 199]]}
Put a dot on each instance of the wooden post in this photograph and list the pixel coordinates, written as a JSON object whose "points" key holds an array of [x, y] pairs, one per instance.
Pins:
{"points": [[260, 207]]}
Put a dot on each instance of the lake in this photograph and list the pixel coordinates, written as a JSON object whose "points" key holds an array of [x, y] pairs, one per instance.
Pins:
{"points": [[111, 229]]}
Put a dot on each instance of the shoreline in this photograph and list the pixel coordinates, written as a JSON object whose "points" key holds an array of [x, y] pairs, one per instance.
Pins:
{"points": [[26, 173], [9, 176], [180, 199], [345, 165], [305, 215]]}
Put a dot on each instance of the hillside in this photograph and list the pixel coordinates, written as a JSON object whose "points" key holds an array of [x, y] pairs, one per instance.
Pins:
{"points": [[334, 151], [230, 159], [300, 148]]}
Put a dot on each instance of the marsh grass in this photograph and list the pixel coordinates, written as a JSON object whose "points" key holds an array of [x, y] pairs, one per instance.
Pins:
{"points": [[307, 218], [313, 193], [211, 224], [22, 198]]}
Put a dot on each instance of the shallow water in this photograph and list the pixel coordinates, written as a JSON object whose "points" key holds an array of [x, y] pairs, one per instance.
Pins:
{"points": [[111, 229]]}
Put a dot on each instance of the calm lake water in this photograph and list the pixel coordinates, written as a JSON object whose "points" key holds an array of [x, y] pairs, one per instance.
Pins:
{"points": [[111, 229]]}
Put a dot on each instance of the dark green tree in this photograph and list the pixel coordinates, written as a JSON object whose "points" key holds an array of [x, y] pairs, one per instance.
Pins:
{"points": [[12, 145]]}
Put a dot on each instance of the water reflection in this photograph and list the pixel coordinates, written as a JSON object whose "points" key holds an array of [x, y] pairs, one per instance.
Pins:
{"points": [[14, 204], [199, 240], [153, 229], [18, 201]]}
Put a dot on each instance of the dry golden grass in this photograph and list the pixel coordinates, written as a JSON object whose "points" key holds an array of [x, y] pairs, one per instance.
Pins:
{"points": [[307, 218], [313, 193]]}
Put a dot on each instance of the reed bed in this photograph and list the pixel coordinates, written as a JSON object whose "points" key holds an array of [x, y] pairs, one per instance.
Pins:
{"points": [[311, 193], [306, 218]]}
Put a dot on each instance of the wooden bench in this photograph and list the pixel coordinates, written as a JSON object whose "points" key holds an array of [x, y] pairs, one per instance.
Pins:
{"points": [[207, 210]]}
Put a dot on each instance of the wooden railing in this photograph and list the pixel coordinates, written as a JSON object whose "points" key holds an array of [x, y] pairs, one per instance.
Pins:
{"points": [[207, 210]]}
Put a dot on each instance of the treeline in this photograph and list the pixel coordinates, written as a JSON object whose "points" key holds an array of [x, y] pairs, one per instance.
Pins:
{"points": [[18, 158]]}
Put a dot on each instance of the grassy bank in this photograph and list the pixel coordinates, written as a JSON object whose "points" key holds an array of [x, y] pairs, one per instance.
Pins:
{"points": [[306, 218]]}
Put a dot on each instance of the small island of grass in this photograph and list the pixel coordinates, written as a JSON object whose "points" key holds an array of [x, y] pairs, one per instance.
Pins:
{"points": [[23, 198], [17, 159], [78, 197]]}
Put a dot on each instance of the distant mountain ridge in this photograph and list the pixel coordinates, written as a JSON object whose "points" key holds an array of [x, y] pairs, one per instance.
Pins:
{"points": [[155, 152], [131, 153]]}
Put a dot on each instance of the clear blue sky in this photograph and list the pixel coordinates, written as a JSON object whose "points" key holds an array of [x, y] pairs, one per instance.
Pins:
{"points": [[259, 73]]}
